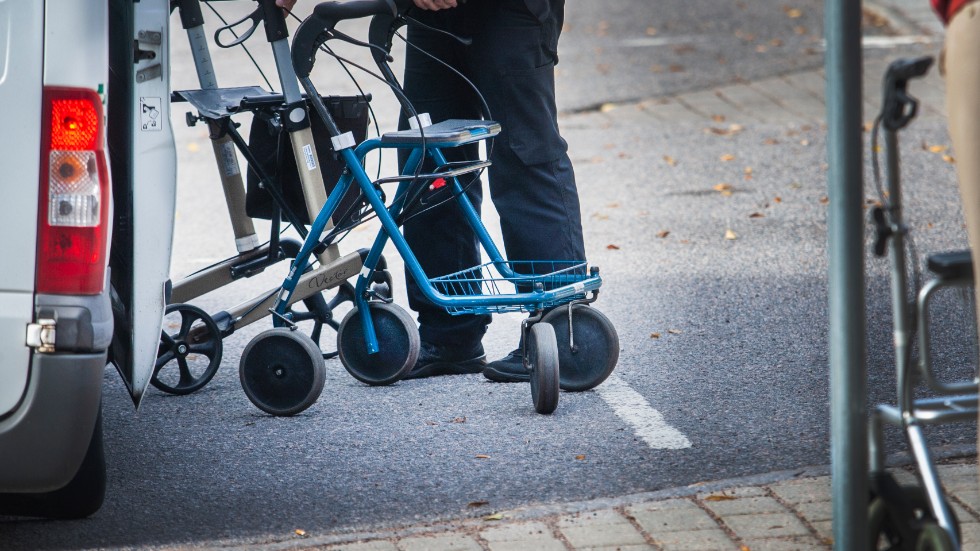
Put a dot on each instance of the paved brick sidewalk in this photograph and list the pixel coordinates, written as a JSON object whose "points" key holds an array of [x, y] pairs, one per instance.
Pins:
{"points": [[780, 511]]}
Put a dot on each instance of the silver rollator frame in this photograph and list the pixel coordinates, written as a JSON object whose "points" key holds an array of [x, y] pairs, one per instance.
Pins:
{"points": [[952, 402]]}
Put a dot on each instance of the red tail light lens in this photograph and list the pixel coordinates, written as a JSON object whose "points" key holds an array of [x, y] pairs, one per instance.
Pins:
{"points": [[74, 194]]}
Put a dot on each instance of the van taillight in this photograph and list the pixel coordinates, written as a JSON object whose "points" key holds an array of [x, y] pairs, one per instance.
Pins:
{"points": [[74, 194]]}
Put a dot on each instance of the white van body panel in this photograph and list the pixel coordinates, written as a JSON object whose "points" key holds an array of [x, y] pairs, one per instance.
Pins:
{"points": [[21, 51]]}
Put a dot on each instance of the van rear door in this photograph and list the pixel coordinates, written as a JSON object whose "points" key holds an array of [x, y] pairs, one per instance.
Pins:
{"points": [[144, 172], [21, 64]]}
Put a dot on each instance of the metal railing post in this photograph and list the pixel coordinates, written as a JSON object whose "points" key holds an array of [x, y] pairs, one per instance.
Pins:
{"points": [[848, 372]]}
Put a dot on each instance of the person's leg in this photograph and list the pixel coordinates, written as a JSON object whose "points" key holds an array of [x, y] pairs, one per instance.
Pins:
{"points": [[532, 183], [962, 67], [440, 237]]}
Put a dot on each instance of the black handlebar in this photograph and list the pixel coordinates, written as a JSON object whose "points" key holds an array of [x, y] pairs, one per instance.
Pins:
{"points": [[898, 106], [316, 28]]}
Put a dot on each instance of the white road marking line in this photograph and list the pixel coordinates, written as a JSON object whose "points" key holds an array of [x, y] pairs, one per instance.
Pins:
{"points": [[872, 42], [648, 423]]}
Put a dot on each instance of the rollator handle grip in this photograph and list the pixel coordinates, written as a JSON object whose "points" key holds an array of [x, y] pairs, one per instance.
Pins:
{"points": [[899, 108]]}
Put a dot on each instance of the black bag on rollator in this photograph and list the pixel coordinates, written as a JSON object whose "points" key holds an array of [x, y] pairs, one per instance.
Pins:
{"points": [[269, 143]]}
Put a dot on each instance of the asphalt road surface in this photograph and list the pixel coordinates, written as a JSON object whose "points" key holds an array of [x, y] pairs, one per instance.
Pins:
{"points": [[723, 363]]}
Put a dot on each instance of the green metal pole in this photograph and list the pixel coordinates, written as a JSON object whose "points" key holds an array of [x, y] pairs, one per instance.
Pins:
{"points": [[848, 372]]}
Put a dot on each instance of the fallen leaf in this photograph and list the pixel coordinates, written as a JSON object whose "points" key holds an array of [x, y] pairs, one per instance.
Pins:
{"points": [[663, 233], [722, 187], [674, 331], [937, 148], [612, 206], [459, 419], [624, 155], [748, 172], [720, 497], [799, 29], [612, 247], [804, 142], [481, 456], [718, 118], [580, 457], [949, 159], [299, 532], [824, 200], [731, 130], [727, 157], [477, 503], [777, 199], [775, 42], [607, 107], [770, 141], [670, 160], [495, 516], [651, 31], [757, 215], [730, 235], [793, 13], [761, 48], [654, 335], [676, 68]]}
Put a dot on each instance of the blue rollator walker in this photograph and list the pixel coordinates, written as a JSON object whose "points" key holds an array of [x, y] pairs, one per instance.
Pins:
{"points": [[378, 342]]}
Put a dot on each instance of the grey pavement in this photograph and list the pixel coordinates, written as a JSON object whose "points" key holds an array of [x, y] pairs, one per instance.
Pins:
{"points": [[782, 510]]}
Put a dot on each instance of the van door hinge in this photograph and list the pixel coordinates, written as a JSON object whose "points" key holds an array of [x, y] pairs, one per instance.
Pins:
{"points": [[40, 335]]}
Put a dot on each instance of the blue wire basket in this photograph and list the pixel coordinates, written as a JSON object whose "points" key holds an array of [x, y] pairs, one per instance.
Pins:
{"points": [[533, 285]]}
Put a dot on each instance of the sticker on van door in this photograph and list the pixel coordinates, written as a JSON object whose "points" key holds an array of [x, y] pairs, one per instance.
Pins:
{"points": [[151, 118]]}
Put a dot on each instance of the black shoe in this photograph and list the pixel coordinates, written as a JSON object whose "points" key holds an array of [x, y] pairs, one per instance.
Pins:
{"points": [[435, 360], [509, 369]]}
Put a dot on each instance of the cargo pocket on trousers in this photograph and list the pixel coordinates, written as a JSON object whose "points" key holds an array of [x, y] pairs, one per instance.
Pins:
{"points": [[530, 123]]}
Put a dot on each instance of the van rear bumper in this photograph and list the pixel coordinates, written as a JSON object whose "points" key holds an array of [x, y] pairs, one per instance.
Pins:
{"points": [[43, 442]]}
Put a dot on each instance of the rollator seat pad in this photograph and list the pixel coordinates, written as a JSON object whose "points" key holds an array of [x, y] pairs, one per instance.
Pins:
{"points": [[220, 102], [448, 133], [952, 264]]}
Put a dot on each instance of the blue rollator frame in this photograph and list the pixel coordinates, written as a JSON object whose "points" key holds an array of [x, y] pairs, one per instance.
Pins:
{"points": [[467, 292]]}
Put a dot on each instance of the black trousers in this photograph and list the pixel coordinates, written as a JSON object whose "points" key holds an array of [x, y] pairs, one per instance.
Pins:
{"points": [[511, 61]]}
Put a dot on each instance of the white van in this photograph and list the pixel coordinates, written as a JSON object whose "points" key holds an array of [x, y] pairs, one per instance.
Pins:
{"points": [[72, 296]]}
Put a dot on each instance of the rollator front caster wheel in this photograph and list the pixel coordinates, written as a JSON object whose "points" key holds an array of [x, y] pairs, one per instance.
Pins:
{"points": [[190, 350], [899, 523], [589, 353], [398, 344], [542, 358], [282, 371]]}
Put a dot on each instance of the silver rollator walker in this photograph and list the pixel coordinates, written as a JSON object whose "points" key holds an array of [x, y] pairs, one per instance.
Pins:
{"points": [[912, 517], [190, 356]]}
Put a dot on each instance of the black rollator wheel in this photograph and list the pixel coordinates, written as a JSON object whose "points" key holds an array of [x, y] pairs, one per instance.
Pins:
{"points": [[189, 352], [398, 344], [905, 523], [282, 371], [542, 359], [588, 354], [321, 312]]}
